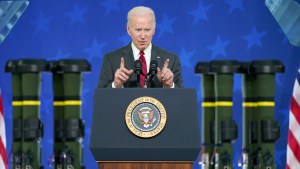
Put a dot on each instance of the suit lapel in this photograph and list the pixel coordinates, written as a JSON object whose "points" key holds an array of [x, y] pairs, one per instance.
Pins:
{"points": [[128, 57], [155, 55]]}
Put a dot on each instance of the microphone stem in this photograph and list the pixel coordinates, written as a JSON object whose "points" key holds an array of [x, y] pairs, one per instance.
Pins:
{"points": [[138, 80]]}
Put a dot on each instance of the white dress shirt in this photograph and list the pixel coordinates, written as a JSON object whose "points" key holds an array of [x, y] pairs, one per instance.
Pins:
{"points": [[147, 51]]}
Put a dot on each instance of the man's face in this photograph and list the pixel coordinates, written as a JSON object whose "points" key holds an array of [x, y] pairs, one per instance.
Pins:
{"points": [[141, 29]]}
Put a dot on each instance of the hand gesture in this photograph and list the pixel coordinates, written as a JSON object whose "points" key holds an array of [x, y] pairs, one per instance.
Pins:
{"points": [[121, 75], [165, 76]]}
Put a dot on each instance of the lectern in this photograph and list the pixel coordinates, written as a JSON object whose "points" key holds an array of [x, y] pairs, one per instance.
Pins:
{"points": [[117, 143]]}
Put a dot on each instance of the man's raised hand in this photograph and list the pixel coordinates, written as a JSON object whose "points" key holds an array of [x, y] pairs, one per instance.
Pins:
{"points": [[121, 75], [165, 76]]}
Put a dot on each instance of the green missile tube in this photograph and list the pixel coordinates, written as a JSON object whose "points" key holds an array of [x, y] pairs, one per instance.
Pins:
{"points": [[69, 72], [11, 66], [30, 70], [268, 130], [249, 129], [225, 129], [58, 112], [208, 114]]}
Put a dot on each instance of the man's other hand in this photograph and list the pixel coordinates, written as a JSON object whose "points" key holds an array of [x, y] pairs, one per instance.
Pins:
{"points": [[165, 76], [121, 75]]}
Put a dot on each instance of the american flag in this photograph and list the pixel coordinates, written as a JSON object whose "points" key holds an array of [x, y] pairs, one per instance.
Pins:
{"points": [[196, 30], [3, 155], [293, 147]]}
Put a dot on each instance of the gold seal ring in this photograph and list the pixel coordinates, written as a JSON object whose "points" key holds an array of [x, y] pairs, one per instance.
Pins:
{"points": [[145, 117]]}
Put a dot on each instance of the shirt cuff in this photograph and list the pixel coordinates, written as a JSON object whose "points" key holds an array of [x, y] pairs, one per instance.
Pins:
{"points": [[113, 85], [173, 86]]}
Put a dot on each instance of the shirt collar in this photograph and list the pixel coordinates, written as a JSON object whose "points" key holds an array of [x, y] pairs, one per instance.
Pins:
{"points": [[136, 52]]}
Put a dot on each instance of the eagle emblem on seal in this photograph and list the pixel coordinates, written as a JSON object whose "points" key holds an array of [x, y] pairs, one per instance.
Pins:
{"points": [[145, 115]]}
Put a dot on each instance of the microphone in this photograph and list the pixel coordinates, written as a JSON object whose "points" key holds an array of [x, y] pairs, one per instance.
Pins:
{"points": [[138, 70], [138, 67], [152, 70]]}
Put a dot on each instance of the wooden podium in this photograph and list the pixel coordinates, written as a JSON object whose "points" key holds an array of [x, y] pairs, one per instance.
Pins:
{"points": [[114, 146]]}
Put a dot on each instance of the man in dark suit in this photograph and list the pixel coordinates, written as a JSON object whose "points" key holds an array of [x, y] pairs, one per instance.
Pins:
{"points": [[117, 67]]}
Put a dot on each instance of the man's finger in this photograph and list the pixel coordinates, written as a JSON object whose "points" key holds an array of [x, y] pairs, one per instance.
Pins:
{"points": [[166, 64], [123, 76], [127, 72], [122, 64], [167, 76], [164, 72], [158, 73]]}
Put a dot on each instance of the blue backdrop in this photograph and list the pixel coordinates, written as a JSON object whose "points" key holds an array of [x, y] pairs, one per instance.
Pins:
{"points": [[197, 30]]}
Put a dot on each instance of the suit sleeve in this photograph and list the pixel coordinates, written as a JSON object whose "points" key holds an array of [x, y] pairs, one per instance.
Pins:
{"points": [[176, 69], [106, 74]]}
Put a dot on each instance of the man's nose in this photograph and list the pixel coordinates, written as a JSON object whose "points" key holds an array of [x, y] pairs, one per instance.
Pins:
{"points": [[143, 34]]}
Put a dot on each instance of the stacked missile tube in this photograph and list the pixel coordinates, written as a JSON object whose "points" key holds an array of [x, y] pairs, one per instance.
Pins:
{"points": [[68, 125], [208, 114], [27, 126], [217, 89], [260, 130]]}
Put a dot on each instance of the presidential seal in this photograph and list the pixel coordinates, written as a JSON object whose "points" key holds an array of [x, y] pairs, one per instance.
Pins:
{"points": [[145, 117]]}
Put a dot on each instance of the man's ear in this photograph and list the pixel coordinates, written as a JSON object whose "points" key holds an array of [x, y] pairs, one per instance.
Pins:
{"points": [[128, 30]]}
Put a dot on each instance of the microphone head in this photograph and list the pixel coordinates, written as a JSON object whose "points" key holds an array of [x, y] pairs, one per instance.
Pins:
{"points": [[153, 67], [137, 67]]}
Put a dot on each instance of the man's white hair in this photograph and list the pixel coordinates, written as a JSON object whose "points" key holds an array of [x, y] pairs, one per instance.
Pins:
{"points": [[140, 11]]}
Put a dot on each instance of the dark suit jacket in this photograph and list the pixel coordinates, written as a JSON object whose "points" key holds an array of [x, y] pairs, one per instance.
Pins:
{"points": [[111, 62]]}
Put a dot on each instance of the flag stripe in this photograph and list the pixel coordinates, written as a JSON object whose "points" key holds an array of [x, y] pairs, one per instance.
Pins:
{"points": [[2, 164], [3, 154], [291, 160], [1, 106], [2, 122], [2, 129], [3, 159], [296, 92], [294, 127], [295, 148], [295, 109]]}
